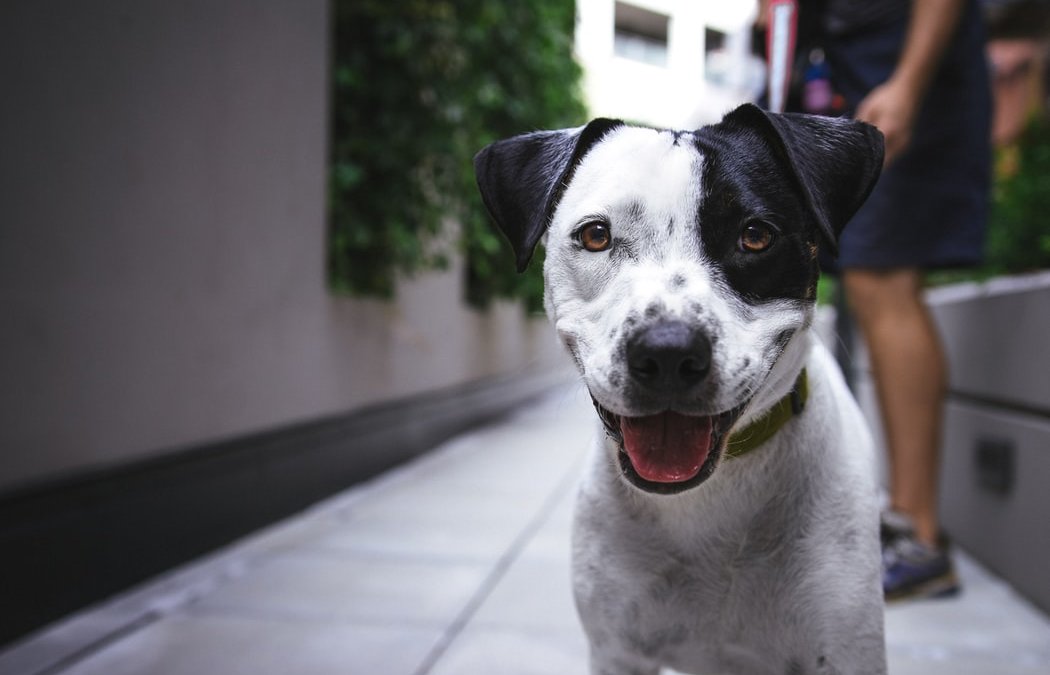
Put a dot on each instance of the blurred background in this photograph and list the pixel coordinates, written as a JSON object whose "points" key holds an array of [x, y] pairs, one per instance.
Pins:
{"points": [[243, 264]]}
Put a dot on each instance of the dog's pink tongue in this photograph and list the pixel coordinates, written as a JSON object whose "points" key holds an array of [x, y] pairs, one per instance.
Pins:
{"points": [[666, 448]]}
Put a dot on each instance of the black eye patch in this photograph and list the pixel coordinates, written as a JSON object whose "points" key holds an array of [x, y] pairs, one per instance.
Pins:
{"points": [[743, 188]]}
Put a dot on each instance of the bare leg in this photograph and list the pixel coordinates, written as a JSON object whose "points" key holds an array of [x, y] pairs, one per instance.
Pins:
{"points": [[910, 373]]}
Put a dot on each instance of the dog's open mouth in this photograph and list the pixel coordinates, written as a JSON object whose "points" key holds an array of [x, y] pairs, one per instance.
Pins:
{"points": [[668, 452]]}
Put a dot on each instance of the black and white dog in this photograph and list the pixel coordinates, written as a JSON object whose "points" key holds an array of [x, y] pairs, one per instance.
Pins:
{"points": [[727, 522]]}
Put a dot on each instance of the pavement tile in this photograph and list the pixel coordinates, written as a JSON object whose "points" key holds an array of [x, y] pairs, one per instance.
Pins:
{"points": [[552, 540], [535, 592], [495, 651], [428, 535], [319, 586], [433, 501], [519, 466], [236, 645], [938, 661]]}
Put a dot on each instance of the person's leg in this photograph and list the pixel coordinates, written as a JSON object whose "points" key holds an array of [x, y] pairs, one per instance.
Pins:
{"points": [[910, 375]]}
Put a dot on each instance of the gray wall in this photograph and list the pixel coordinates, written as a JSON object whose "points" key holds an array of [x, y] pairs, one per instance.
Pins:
{"points": [[162, 222]]}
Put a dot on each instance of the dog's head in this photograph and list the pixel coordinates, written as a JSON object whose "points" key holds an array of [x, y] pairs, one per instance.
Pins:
{"points": [[679, 264]]}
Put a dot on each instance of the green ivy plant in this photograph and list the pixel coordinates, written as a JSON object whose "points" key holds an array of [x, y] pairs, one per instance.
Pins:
{"points": [[420, 86], [1019, 227]]}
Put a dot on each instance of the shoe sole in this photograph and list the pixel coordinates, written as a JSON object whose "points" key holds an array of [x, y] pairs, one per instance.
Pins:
{"points": [[944, 586]]}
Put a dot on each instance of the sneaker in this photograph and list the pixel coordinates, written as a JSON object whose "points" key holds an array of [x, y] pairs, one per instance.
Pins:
{"points": [[910, 568], [893, 525]]}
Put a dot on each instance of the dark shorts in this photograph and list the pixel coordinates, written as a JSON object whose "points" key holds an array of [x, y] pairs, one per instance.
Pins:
{"points": [[930, 206]]}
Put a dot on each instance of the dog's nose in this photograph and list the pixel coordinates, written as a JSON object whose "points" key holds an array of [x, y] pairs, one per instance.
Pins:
{"points": [[669, 355]]}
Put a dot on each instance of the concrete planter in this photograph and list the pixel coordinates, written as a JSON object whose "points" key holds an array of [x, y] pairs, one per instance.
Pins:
{"points": [[996, 453]]}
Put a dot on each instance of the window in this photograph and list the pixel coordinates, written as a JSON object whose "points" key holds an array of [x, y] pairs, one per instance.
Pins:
{"points": [[717, 62], [641, 34], [713, 40]]}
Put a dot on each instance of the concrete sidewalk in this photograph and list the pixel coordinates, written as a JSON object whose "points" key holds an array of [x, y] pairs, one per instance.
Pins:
{"points": [[456, 564]]}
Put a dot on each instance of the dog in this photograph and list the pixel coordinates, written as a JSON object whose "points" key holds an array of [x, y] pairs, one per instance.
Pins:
{"points": [[727, 519]]}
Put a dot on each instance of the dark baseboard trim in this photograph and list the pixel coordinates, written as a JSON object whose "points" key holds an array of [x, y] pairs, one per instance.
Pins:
{"points": [[81, 539]]}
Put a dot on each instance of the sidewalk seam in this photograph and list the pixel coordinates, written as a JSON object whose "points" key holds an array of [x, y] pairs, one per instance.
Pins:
{"points": [[499, 570]]}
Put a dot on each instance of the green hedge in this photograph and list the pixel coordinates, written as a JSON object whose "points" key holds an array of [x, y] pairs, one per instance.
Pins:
{"points": [[420, 86], [1019, 227]]}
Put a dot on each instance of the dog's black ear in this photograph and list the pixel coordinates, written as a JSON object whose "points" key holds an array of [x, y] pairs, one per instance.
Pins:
{"points": [[522, 179], [836, 161]]}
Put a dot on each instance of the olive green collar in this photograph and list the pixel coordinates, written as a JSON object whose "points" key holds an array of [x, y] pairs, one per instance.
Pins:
{"points": [[766, 426]]}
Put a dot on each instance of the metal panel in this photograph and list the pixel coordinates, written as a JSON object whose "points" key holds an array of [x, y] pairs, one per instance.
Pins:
{"points": [[1009, 531], [996, 337]]}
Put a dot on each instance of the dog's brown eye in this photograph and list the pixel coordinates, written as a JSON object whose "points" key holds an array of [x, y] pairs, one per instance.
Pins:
{"points": [[595, 236], [756, 237]]}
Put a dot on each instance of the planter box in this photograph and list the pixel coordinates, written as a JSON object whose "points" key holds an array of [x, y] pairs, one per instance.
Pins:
{"points": [[995, 468]]}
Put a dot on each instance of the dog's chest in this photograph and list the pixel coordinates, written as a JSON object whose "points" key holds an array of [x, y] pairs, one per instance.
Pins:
{"points": [[697, 598], [693, 616]]}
